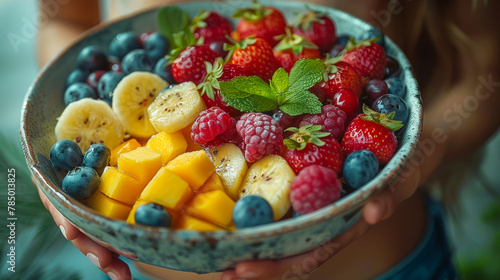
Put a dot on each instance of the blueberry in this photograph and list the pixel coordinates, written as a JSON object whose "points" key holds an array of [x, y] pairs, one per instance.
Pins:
{"points": [[372, 34], [153, 215], [92, 58], [218, 47], [65, 155], [97, 157], [81, 182], [392, 68], [392, 103], [136, 60], [252, 210], [156, 47], [359, 168], [76, 76], [375, 89], [342, 40], [123, 43], [78, 91], [395, 86], [164, 70], [107, 85]]}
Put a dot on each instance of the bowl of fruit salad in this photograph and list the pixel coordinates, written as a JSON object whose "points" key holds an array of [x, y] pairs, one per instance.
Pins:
{"points": [[196, 136]]}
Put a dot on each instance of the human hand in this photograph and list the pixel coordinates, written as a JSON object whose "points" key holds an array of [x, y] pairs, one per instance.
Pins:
{"points": [[101, 257]]}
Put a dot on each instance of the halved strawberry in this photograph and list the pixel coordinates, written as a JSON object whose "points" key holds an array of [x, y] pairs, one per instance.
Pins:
{"points": [[211, 26], [190, 64], [293, 47], [339, 75], [366, 57], [318, 28]]}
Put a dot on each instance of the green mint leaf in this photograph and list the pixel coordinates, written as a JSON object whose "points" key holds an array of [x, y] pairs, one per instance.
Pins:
{"points": [[301, 103], [229, 90], [305, 73], [279, 82], [244, 86], [171, 20], [251, 103]]}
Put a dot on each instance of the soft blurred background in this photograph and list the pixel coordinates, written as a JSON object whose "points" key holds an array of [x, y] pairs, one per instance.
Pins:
{"points": [[43, 253]]}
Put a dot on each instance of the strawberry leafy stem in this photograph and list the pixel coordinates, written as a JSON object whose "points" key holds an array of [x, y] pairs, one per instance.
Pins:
{"points": [[210, 82], [306, 134], [386, 120], [254, 13]]}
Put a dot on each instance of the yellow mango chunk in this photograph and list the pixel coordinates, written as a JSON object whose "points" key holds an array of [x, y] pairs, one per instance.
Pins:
{"points": [[211, 184], [191, 145], [194, 167], [167, 189], [215, 207], [131, 216], [187, 222], [120, 186], [169, 145], [142, 163], [124, 147], [109, 207]]}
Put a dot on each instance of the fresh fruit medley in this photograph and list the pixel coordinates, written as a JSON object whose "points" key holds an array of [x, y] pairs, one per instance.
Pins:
{"points": [[204, 127]]}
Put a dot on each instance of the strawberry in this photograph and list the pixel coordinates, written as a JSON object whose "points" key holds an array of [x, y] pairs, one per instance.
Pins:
{"points": [[318, 28], [374, 132], [256, 55], [261, 21], [190, 64], [339, 75], [366, 57], [210, 88], [305, 148], [211, 26], [293, 47]]}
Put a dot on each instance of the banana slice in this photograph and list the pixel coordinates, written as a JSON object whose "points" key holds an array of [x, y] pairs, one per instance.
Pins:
{"points": [[176, 107], [270, 177], [131, 99], [89, 121], [231, 167]]}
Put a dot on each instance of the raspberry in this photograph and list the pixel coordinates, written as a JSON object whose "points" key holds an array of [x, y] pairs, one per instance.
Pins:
{"points": [[262, 135], [210, 126], [331, 119], [314, 188]]}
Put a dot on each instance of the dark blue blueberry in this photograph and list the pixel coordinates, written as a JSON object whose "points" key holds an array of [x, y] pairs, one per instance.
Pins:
{"points": [[372, 34], [78, 91], [295, 214], [81, 182], [164, 70], [124, 43], [76, 76], [65, 155], [252, 210], [156, 47], [392, 103], [153, 215], [359, 168], [392, 68], [342, 40], [92, 58], [396, 86], [107, 85], [136, 60], [97, 157]]}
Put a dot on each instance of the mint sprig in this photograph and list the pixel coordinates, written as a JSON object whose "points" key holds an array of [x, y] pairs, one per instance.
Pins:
{"points": [[172, 20], [289, 93]]}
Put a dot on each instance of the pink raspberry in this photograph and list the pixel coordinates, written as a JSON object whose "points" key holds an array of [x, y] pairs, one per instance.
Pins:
{"points": [[314, 188], [331, 119], [262, 135], [212, 127]]}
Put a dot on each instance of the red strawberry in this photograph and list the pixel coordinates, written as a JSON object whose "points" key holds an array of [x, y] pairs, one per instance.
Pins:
{"points": [[256, 55], [374, 132], [190, 64], [210, 90], [261, 21], [318, 28], [367, 58], [340, 75], [293, 47], [211, 26], [305, 148]]}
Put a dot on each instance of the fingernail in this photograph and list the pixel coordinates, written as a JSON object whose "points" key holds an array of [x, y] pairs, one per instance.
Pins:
{"points": [[94, 259], [112, 276], [63, 231], [249, 274], [381, 208]]}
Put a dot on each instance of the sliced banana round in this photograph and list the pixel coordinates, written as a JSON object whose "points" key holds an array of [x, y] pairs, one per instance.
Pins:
{"points": [[176, 107], [270, 177], [89, 121], [131, 99]]}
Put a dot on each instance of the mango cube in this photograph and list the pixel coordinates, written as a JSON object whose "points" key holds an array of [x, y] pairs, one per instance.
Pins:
{"points": [[131, 216], [142, 163], [124, 147], [211, 184], [168, 190], [215, 207], [169, 145], [194, 167], [120, 186], [109, 207], [191, 145], [187, 222]]}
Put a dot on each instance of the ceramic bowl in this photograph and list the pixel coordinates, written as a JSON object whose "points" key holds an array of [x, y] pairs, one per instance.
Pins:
{"points": [[188, 250]]}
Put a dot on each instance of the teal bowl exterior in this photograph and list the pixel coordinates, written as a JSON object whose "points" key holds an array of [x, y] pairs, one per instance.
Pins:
{"points": [[188, 250]]}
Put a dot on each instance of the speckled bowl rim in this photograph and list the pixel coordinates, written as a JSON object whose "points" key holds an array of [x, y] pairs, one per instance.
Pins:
{"points": [[353, 201]]}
